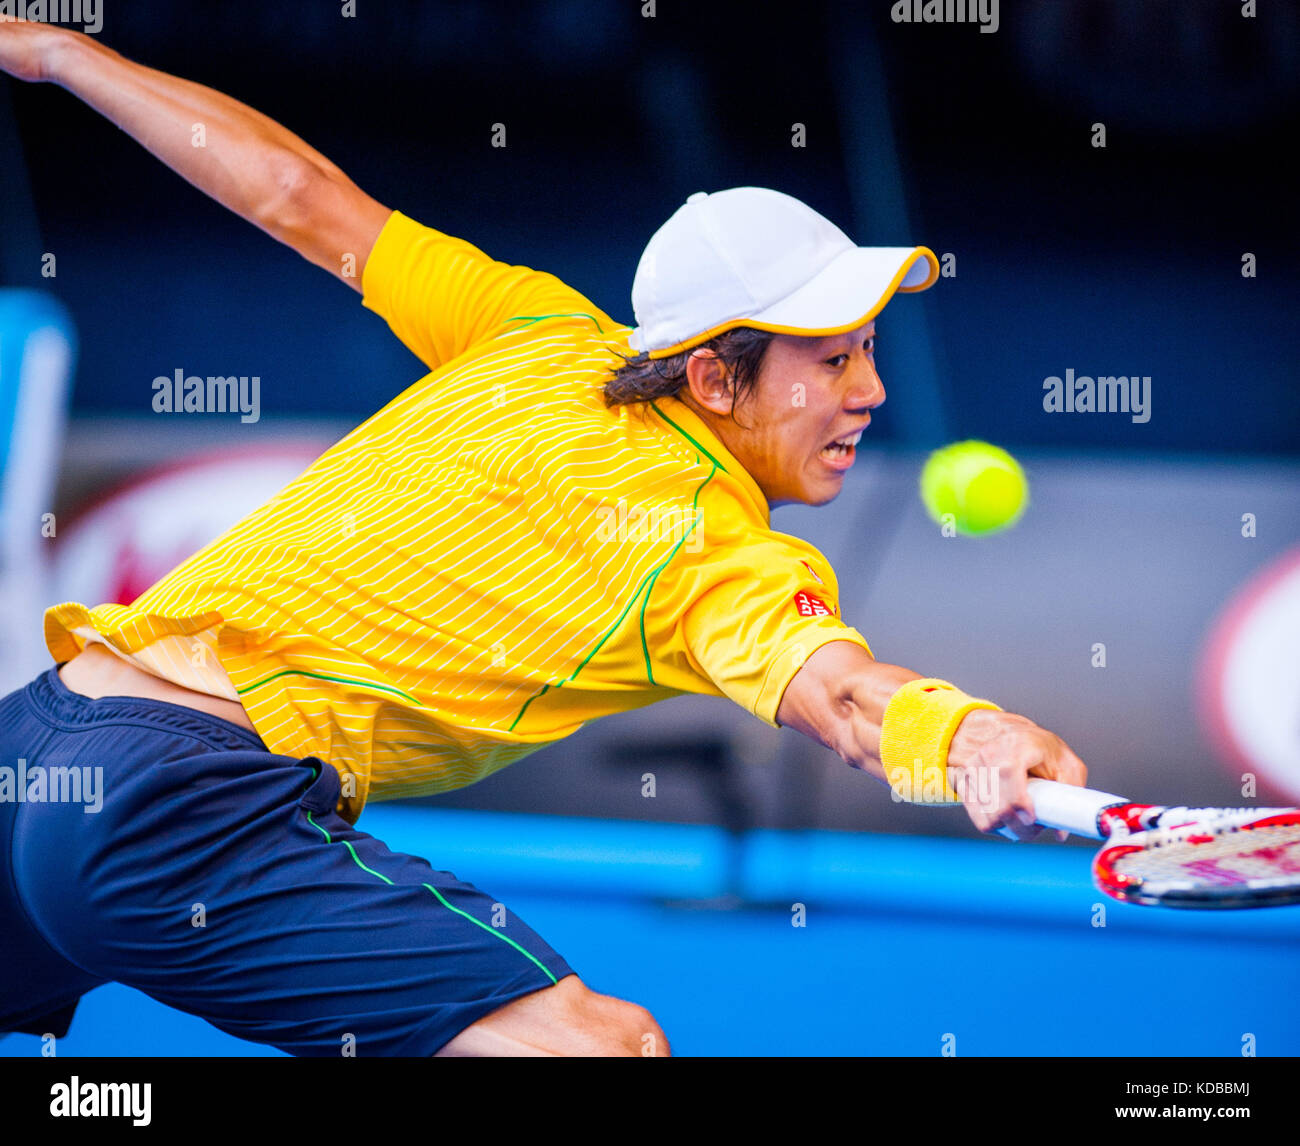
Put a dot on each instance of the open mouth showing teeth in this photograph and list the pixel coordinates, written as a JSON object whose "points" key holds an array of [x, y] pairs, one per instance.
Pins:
{"points": [[842, 447]]}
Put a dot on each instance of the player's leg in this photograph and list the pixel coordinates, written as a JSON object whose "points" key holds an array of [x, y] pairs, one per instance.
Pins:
{"points": [[218, 879], [566, 1019], [39, 987]]}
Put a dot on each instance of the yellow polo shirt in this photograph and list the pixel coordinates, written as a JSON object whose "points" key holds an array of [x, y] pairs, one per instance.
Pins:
{"points": [[492, 560]]}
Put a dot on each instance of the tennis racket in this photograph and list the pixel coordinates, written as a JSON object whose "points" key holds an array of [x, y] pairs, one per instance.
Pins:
{"points": [[1161, 856]]}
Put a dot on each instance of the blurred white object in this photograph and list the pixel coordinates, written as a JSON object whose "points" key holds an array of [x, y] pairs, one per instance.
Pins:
{"points": [[37, 353], [1250, 680]]}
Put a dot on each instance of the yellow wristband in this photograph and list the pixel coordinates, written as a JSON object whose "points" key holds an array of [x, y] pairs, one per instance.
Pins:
{"points": [[919, 723]]}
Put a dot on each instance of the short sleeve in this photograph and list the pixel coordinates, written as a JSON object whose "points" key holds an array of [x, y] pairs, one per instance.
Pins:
{"points": [[441, 295], [759, 610]]}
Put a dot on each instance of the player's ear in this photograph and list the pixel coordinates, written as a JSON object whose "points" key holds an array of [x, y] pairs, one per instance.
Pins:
{"points": [[709, 380]]}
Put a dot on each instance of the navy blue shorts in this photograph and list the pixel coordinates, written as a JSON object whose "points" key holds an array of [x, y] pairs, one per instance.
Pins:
{"points": [[217, 878]]}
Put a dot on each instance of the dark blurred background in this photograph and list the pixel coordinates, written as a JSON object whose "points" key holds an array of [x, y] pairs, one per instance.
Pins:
{"points": [[1123, 260], [1128, 257]]}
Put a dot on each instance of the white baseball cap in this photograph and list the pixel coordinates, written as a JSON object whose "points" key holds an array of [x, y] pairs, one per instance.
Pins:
{"points": [[754, 257]]}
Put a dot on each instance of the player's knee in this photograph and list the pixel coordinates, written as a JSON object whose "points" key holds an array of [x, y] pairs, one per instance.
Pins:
{"points": [[640, 1034], [566, 1019], [615, 1027]]}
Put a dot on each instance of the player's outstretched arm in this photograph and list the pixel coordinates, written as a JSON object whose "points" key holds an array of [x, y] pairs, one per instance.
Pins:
{"points": [[839, 698], [243, 159]]}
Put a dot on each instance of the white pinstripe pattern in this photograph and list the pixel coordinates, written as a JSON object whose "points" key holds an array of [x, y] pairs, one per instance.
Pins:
{"points": [[439, 566]]}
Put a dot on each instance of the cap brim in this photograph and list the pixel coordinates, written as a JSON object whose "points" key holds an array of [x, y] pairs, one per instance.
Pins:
{"points": [[850, 291]]}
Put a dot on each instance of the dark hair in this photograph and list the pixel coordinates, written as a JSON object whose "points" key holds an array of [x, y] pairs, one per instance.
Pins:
{"points": [[642, 378]]}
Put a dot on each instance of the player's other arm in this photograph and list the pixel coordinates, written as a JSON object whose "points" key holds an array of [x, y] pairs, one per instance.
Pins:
{"points": [[244, 160], [839, 697]]}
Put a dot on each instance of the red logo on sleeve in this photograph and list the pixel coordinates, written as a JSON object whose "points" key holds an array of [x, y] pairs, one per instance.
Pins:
{"points": [[810, 605]]}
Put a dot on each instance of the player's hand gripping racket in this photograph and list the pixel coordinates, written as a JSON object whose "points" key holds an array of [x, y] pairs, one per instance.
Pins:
{"points": [[1180, 857]]}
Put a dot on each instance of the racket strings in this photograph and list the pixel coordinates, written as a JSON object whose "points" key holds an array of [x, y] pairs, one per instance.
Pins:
{"points": [[1212, 819], [1270, 854]]}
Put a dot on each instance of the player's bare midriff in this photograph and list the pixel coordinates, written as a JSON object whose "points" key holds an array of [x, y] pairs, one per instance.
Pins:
{"points": [[95, 672]]}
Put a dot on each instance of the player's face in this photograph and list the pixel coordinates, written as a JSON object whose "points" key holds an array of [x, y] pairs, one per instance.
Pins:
{"points": [[811, 393]]}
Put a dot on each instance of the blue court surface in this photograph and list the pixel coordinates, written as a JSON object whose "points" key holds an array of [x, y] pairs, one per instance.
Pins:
{"points": [[907, 941]]}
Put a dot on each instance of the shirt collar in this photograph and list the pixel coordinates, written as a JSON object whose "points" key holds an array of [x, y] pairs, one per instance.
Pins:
{"points": [[686, 422]]}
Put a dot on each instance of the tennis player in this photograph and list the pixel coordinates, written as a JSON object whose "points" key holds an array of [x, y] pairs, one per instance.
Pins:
{"points": [[566, 518]]}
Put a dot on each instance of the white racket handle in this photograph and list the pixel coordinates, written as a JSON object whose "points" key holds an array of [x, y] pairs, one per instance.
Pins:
{"points": [[1067, 807], [1070, 808]]}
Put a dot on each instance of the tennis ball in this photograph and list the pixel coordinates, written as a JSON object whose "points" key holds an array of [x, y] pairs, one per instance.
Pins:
{"points": [[981, 485]]}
